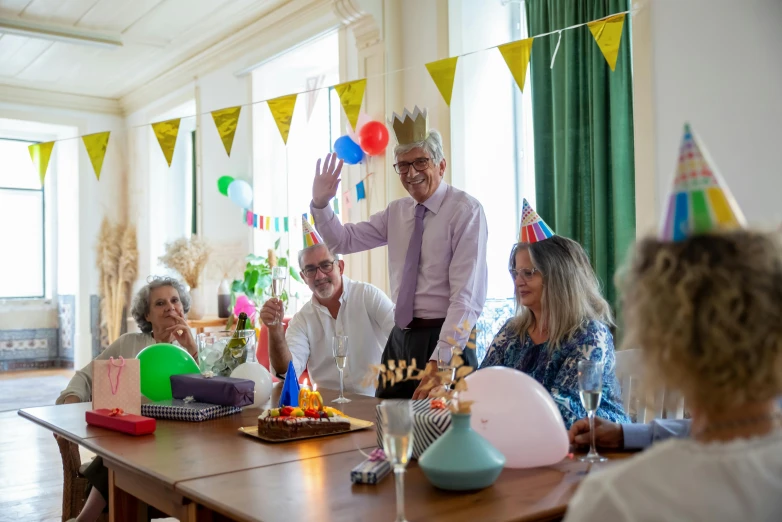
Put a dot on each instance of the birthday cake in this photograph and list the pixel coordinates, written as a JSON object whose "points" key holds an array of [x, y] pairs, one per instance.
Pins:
{"points": [[308, 418]]}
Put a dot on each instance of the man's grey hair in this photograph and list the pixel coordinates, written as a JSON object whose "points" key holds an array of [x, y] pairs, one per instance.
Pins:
{"points": [[140, 307], [336, 257], [433, 144]]}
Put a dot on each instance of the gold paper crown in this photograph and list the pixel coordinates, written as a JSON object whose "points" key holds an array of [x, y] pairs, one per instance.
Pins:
{"points": [[410, 127]]}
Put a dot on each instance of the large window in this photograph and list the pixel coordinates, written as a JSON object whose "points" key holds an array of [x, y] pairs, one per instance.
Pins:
{"points": [[283, 174], [22, 224]]}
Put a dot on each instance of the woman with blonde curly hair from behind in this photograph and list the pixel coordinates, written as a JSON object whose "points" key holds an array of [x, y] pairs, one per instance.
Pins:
{"points": [[706, 311]]}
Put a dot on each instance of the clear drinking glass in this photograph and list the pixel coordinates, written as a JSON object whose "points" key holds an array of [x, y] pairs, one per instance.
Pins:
{"points": [[221, 352], [444, 358], [340, 349], [279, 275], [590, 387], [396, 418]]}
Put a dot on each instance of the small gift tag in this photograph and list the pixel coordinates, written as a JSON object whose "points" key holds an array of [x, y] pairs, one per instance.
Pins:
{"points": [[372, 470]]}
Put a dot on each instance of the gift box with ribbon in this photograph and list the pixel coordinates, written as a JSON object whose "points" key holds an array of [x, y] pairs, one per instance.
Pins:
{"points": [[372, 470], [117, 420], [430, 420], [224, 391]]}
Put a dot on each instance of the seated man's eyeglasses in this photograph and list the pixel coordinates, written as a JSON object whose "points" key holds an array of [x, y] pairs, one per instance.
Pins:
{"points": [[419, 164], [326, 267]]}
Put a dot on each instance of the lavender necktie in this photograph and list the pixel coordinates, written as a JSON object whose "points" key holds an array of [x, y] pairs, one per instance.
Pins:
{"points": [[404, 303]]}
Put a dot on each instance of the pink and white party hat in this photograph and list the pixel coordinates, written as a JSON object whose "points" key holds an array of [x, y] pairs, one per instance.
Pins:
{"points": [[700, 201], [311, 236], [533, 228]]}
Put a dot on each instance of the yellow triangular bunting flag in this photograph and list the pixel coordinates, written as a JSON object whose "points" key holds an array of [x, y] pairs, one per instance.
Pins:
{"points": [[516, 56], [608, 35], [40, 154], [282, 111], [225, 121], [350, 95], [166, 133], [443, 72], [96, 149]]}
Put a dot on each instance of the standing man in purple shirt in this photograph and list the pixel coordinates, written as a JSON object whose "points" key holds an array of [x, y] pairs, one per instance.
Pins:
{"points": [[436, 249]]}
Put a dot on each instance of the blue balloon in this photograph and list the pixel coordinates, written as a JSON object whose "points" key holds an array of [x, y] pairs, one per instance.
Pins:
{"points": [[241, 193], [348, 150]]}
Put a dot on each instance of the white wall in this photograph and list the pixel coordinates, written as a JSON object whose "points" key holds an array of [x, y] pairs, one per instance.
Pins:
{"points": [[716, 64], [93, 200]]}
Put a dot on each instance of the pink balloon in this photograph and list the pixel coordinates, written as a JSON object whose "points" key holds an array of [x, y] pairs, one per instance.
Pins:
{"points": [[243, 304], [518, 416], [363, 119]]}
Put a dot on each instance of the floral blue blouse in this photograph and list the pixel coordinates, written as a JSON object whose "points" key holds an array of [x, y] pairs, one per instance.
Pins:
{"points": [[557, 370]]}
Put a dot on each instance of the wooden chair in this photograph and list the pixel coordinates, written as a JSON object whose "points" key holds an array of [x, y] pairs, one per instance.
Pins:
{"points": [[74, 484], [641, 404]]}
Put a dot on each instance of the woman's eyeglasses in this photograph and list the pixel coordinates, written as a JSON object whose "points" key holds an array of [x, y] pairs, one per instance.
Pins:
{"points": [[403, 167], [526, 274], [326, 267]]}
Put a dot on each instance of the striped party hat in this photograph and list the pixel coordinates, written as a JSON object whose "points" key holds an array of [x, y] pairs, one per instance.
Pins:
{"points": [[533, 228], [311, 236], [700, 202]]}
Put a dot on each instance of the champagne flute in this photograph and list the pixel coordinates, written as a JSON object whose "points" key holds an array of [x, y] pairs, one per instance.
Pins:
{"points": [[444, 358], [590, 387], [396, 418], [340, 348], [279, 275]]}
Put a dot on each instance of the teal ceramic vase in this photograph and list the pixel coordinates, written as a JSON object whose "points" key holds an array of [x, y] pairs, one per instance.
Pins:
{"points": [[461, 459]]}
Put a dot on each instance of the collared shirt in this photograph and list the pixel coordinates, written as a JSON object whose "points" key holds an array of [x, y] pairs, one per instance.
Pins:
{"points": [[366, 316], [452, 274]]}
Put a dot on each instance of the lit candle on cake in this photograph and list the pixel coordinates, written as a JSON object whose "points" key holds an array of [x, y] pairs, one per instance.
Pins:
{"points": [[304, 398], [306, 384], [315, 400]]}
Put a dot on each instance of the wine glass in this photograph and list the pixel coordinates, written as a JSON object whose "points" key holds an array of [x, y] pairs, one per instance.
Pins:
{"points": [[444, 358], [279, 275], [340, 348], [396, 418], [590, 387]]}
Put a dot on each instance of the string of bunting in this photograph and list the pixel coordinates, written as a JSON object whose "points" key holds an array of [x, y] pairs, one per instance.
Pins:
{"points": [[607, 33]]}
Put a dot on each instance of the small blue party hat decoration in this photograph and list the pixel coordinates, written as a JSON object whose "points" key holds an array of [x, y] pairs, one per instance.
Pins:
{"points": [[290, 389]]}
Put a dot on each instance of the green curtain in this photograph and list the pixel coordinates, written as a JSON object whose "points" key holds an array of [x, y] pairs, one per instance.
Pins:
{"points": [[583, 124]]}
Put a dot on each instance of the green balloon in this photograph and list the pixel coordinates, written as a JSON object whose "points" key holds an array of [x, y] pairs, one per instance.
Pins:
{"points": [[158, 363], [222, 184]]}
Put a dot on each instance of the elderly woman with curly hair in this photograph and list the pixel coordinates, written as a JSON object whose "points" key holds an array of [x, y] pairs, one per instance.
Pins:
{"points": [[707, 314], [159, 309], [561, 319]]}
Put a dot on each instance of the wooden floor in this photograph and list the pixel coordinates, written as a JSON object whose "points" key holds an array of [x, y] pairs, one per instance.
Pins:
{"points": [[31, 388]]}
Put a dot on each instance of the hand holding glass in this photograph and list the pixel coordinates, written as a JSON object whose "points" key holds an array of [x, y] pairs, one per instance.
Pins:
{"points": [[444, 364], [396, 418], [340, 348], [279, 275], [590, 386]]}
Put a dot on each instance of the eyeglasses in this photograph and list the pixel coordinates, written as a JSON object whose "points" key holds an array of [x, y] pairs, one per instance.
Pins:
{"points": [[420, 164], [326, 267], [526, 274]]}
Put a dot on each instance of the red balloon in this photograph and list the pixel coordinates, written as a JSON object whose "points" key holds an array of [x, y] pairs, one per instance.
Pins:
{"points": [[373, 138]]}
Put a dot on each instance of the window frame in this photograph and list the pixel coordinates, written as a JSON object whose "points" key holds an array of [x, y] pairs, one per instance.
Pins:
{"points": [[42, 190]]}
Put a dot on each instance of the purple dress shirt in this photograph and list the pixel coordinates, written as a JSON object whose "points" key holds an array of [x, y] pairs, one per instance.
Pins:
{"points": [[452, 274]]}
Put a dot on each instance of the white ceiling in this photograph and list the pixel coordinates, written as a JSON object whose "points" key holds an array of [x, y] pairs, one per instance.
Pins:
{"points": [[156, 36]]}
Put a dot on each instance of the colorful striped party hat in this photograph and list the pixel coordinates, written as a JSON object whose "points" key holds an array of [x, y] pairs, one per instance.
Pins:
{"points": [[700, 202], [533, 228], [311, 236]]}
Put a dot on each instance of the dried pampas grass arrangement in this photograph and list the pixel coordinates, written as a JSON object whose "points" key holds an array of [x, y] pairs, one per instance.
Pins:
{"points": [[188, 257], [117, 262]]}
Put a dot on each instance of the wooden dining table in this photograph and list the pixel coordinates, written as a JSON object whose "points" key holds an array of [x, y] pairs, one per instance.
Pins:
{"points": [[209, 471]]}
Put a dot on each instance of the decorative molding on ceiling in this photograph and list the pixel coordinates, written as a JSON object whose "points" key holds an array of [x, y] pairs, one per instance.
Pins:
{"points": [[60, 100], [290, 24]]}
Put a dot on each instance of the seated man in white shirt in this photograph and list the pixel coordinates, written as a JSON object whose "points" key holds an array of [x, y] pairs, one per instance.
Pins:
{"points": [[339, 306]]}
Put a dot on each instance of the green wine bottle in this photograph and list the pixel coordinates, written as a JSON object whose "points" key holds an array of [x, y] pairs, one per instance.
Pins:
{"points": [[235, 353]]}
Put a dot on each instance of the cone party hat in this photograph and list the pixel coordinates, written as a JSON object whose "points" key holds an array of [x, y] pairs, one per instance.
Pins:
{"points": [[700, 201], [533, 228], [311, 236], [290, 388]]}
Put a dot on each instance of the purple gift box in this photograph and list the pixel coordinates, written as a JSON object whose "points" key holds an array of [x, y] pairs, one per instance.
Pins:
{"points": [[225, 391]]}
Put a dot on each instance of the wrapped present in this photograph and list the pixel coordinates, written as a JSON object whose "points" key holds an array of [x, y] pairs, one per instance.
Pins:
{"points": [[118, 420], [187, 410], [224, 391], [430, 420], [372, 470]]}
